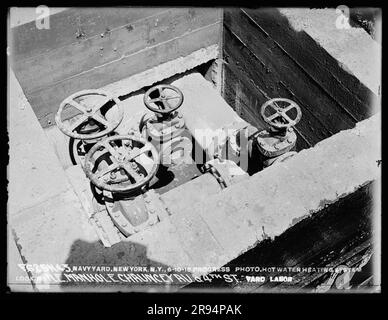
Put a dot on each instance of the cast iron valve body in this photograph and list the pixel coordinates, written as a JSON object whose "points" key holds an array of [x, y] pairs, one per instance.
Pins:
{"points": [[281, 115], [165, 129]]}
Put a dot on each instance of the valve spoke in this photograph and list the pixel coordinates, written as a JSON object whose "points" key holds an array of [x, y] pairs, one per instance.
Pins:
{"points": [[275, 106], [107, 170], [77, 123], [154, 100], [170, 98], [100, 119], [77, 105], [131, 172], [286, 117], [138, 152], [165, 104], [111, 150], [95, 109], [291, 106], [273, 116]]}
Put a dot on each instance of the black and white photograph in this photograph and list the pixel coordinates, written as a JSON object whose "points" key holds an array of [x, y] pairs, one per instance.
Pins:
{"points": [[189, 149]]}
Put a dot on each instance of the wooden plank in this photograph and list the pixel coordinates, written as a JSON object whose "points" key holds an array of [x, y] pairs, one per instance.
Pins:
{"points": [[276, 83], [40, 71], [45, 102], [321, 67], [72, 26], [278, 75], [246, 99]]}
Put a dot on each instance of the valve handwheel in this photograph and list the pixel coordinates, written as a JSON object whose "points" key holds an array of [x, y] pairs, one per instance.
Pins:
{"points": [[163, 99], [281, 118], [125, 170], [89, 114]]}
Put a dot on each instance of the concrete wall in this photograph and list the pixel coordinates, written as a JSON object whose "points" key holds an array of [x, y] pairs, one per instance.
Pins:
{"points": [[92, 47]]}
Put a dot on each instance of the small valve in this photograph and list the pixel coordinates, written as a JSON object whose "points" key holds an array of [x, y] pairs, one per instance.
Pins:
{"points": [[167, 123], [281, 115], [277, 113], [163, 99], [165, 129]]}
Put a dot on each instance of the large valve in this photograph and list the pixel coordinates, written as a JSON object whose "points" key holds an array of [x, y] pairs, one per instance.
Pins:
{"points": [[91, 123], [122, 164]]}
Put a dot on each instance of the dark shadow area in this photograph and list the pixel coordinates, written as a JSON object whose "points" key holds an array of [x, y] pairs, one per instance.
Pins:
{"points": [[112, 269], [365, 18], [164, 176], [174, 176]]}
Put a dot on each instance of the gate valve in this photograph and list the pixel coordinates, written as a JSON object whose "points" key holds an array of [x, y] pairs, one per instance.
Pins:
{"points": [[166, 127], [163, 99], [281, 114], [280, 120], [167, 123], [91, 124], [122, 164]]}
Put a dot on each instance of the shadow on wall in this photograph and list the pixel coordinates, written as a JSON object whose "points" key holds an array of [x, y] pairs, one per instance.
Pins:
{"points": [[366, 18], [122, 267]]}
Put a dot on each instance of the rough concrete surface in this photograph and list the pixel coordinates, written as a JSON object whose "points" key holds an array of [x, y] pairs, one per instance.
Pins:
{"points": [[204, 110], [353, 48], [34, 171], [163, 71], [42, 207]]}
